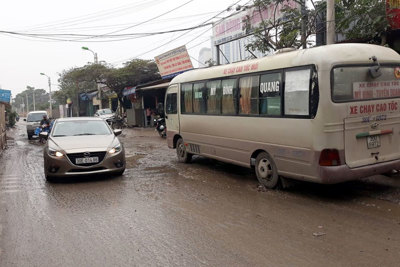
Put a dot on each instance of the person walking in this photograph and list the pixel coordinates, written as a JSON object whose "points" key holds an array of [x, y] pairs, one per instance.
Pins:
{"points": [[148, 115]]}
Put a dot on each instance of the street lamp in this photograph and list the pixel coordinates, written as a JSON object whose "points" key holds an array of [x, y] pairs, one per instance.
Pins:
{"points": [[51, 107], [98, 85], [94, 54]]}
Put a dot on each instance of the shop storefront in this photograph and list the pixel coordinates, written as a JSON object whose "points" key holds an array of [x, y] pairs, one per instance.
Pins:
{"points": [[147, 101]]}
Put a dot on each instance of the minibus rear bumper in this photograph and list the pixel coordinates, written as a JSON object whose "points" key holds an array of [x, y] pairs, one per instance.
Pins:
{"points": [[343, 173]]}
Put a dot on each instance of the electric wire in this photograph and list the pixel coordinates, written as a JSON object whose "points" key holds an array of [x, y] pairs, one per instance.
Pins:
{"points": [[101, 15], [143, 22], [153, 49]]}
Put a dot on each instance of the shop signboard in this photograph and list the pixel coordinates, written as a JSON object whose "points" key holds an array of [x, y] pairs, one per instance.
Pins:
{"points": [[5, 95], [234, 27], [173, 62], [129, 91]]}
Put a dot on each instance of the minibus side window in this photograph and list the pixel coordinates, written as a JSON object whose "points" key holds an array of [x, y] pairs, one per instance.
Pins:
{"points": [[199, 98], [186, 98], [248, 96], [214, 92], [297, 92], [270, 94], [171, 104], [229, 92]]}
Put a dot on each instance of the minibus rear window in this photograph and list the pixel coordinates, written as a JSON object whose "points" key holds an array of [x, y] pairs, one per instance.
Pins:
{"points": [[356, 83]]}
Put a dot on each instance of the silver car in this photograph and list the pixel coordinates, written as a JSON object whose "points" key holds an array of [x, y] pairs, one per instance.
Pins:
{"points": [[33, 120], [82, 146]]}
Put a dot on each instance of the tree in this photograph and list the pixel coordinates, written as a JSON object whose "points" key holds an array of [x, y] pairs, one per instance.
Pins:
{"points": [[41, 98], [137, 71], [74, 81], [278, 33], [85, 79], [362, 20], [357, 20]]}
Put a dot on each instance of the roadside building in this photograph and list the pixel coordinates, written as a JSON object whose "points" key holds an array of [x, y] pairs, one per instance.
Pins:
{"points": [[141, 97], [2, 125], [5, 97]]}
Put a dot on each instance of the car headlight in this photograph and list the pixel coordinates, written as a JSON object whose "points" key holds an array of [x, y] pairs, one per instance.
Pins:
{"points": [[115, 149], [55, 153]]}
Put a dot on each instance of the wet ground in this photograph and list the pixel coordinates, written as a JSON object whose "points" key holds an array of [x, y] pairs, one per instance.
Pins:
{"points": [[207, 213]]}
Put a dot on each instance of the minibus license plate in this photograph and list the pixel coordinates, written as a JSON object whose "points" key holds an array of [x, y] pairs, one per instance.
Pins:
{"points": [[87, 160], [373, 141]]}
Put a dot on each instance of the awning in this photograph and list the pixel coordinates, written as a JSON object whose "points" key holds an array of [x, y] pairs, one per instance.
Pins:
{"points": [[157, 86], [88, 96]]}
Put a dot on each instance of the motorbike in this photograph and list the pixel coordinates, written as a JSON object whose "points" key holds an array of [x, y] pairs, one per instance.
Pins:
{"points": [[118, 122], [161, 127], [40, 129]]}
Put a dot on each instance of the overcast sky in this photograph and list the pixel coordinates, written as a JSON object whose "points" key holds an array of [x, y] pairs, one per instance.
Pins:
{"points": [[23, 58]]}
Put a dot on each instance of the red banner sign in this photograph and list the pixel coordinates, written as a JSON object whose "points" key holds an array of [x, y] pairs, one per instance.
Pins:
{"points": [[393, 13]]}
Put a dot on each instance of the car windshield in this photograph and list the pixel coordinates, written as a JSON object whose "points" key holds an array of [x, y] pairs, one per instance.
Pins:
{"points": [[34, 117], [105, 111], [78, 128]]}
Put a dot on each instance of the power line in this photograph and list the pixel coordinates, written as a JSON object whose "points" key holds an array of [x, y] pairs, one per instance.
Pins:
{"points": [[95, 16], [141, 23], [126, 24], [153, 49], [59, 36]]}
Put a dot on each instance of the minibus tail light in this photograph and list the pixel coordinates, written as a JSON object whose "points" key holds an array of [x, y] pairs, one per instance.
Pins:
{"points": [[329, 157]]}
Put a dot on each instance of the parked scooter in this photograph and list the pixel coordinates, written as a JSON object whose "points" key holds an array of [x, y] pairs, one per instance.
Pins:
{"points": [[161, 127]]}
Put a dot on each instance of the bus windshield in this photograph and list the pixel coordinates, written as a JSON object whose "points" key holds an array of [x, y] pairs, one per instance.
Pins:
{"points": [[354, 83]]}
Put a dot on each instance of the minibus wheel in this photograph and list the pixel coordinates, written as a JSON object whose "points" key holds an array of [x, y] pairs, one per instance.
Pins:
{"points": [[183, 155], [266, 171]]}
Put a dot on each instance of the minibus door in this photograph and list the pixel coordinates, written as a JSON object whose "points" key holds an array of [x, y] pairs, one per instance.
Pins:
{"points": [[171, 112]]}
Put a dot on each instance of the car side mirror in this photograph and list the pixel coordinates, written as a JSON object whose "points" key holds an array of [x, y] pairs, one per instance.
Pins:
{"points": [[44, 135], [24, 119], [117, 132]]}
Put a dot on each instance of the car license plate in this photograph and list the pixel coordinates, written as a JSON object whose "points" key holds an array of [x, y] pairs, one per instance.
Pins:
{"points": [[86, 160], [373, 141]]}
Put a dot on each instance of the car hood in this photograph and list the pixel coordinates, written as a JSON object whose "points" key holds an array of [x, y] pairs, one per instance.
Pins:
{"points": [[84, 143]]}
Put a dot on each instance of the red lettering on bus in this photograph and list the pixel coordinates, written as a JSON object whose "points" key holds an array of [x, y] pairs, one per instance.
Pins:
{"points": [[353, 110]]}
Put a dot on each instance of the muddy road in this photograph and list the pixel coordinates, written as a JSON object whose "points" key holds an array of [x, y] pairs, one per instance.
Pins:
{"points": [[207, 213]]}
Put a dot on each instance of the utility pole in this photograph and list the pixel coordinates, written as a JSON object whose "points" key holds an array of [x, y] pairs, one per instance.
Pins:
{"points": [[330, 22], [34, 104], [303, 24], [96, 61], [50, 100], [27, 103]]}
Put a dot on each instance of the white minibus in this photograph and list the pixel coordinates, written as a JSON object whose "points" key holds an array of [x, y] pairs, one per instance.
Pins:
{"points": [[327, 114]]}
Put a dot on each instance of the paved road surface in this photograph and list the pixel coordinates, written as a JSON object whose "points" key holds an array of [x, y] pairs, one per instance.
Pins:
{"points": [[163, 213]]}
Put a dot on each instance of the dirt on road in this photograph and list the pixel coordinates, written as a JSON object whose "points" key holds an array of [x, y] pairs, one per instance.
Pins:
{"points": [[206, 213]]}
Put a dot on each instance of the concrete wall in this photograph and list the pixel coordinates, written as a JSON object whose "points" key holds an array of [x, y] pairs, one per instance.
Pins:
{"points": [[2, 126]]}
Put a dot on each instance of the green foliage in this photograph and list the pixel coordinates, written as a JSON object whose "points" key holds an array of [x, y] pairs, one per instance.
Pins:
{"points": [[358, 20], [362, 20], [85, 79], [41, 98], [137, 71], [11, 116], [276, 34], [79, 80]]}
